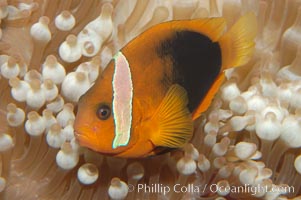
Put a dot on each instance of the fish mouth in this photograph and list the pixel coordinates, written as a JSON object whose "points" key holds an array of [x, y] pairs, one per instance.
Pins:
{"points": [[84, 141], [77, 135]]}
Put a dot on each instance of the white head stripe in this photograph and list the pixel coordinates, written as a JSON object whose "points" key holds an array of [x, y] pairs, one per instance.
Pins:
{"points": [[122, 100]]}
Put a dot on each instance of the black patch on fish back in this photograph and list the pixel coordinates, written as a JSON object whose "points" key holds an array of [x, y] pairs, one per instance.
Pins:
{"points": [[196, 63]]}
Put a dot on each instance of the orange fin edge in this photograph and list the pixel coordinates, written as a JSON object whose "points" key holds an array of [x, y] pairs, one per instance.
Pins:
{"points": [[206, 102]]}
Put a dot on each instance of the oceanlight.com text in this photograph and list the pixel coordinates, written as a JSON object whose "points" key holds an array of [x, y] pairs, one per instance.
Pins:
{"points": [[211, 188]]}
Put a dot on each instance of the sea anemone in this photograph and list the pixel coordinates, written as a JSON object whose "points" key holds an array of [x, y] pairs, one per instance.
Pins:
{"points": [[247, 145]]}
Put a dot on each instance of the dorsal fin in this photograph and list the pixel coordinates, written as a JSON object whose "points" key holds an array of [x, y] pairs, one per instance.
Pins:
{"points": [[211, 27]]}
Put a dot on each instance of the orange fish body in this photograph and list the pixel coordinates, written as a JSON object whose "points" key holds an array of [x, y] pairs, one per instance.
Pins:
{"points": [[149, 94]]}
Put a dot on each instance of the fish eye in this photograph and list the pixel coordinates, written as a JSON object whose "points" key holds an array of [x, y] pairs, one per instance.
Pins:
{"points": [[103, 112]]}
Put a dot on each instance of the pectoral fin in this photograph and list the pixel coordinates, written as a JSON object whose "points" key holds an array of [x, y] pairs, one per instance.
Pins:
{"points": [[175, 125]]}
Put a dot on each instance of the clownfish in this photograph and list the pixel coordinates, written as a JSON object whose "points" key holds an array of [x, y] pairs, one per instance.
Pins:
{"points": [[148, 96]]}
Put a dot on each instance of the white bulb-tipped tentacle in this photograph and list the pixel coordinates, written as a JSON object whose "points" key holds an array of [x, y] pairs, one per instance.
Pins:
{"points": [[87, 174], [65, 21], [74, 85], [52, 69]]}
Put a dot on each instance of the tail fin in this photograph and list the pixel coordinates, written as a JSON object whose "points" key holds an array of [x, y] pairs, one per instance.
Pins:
{"points": [[237, 44]]}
